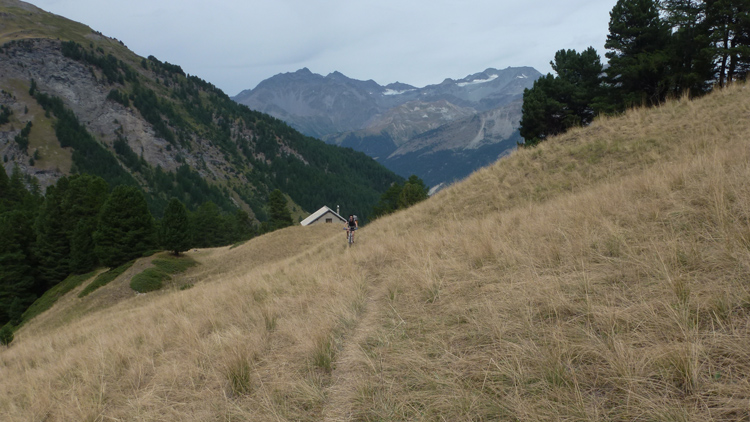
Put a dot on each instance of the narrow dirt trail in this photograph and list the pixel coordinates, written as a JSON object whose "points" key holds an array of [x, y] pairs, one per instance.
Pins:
{"points": [[352, 362]]}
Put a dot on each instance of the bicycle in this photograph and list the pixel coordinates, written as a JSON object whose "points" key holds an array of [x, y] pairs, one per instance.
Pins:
{"points": [[350, 236]]}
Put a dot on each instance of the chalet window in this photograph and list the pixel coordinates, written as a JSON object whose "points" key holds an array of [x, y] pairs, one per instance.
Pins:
{"points": [[329, 220]]}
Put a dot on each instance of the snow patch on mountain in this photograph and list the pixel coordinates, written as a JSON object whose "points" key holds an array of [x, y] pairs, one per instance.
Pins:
{"points": [[477, 81], [396, 92]]}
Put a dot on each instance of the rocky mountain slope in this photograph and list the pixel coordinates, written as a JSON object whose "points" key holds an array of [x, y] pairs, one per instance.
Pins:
{"points": [[88, 104], [380, 120]]}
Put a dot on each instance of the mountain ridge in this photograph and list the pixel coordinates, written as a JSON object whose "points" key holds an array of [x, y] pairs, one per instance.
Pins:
{"points": [[154, 120], [378, 120]]}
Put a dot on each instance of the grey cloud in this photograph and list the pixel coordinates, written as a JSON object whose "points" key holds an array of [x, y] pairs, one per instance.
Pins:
{"points": [[236, 44]]}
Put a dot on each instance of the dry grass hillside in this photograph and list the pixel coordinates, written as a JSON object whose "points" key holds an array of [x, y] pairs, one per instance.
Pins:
{"points": [[604, 275]]}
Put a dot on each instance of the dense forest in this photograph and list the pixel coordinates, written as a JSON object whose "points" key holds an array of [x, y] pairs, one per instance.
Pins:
{"points": [[655, 50], [82, 223]]}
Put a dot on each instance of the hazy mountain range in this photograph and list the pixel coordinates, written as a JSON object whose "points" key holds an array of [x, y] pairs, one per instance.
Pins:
{"points": [[440, 132], [91, 105]]}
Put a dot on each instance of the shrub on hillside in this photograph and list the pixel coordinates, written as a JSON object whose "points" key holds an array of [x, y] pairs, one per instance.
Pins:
{"points": [[172, 265], [149, 280]]}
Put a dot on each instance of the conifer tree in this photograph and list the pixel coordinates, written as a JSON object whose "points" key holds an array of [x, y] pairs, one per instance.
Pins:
{"points": [[279, 212], [729, 22], [207, 226], [83, 256], [242, 226], [174, 230], [414, 191], [690, 55], [125, 229], [556, 103], [17, 284], [389, 200], [82, 202], [638, 58], [52, 236]]}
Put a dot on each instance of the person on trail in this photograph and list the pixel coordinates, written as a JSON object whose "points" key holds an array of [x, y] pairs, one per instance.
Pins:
{"points": [[351, 225]]}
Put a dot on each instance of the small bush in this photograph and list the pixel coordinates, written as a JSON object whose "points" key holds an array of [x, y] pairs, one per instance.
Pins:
{"points": [[174, 265], [104, 278], [6, 335], [149, 280]]}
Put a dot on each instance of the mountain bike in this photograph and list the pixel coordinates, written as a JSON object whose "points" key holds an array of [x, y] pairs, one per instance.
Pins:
{"points": [[350, 236]]}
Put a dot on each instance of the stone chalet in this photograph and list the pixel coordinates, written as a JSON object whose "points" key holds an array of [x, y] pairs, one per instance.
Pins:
{"points": [[323, 215]]}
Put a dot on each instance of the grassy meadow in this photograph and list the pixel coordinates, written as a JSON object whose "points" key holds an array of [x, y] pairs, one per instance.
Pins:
{"points": [[604, 275]]}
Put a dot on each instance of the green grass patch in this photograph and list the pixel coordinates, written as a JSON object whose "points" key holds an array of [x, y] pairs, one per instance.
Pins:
{"points": [[105, 278], [148, 280], [151, 279], [50, 296], [174, 264]]}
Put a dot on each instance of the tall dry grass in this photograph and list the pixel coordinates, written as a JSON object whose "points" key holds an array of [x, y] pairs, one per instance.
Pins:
{"points": [[604, 275]]}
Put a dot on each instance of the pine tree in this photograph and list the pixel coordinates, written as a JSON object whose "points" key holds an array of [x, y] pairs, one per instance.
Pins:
{"points": [[174, 231], [82, 247], [243, 228], [542, 115], [17, 283], [556, 103], [82, 202], [206, 226], [389, 201], [690, 56], [638, 58], [729, 22], [279, 212], [125, 229], [414, 191], [53, 236]]}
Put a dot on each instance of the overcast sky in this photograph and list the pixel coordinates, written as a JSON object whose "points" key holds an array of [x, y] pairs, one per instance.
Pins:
{"points": [[235, 44]]}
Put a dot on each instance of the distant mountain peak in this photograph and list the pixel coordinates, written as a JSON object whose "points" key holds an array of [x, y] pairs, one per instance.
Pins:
{"points": [[336, 75], [379, 119]]}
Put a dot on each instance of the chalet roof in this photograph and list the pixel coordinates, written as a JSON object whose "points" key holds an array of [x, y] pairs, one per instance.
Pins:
{"points": [[319, 213]]}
